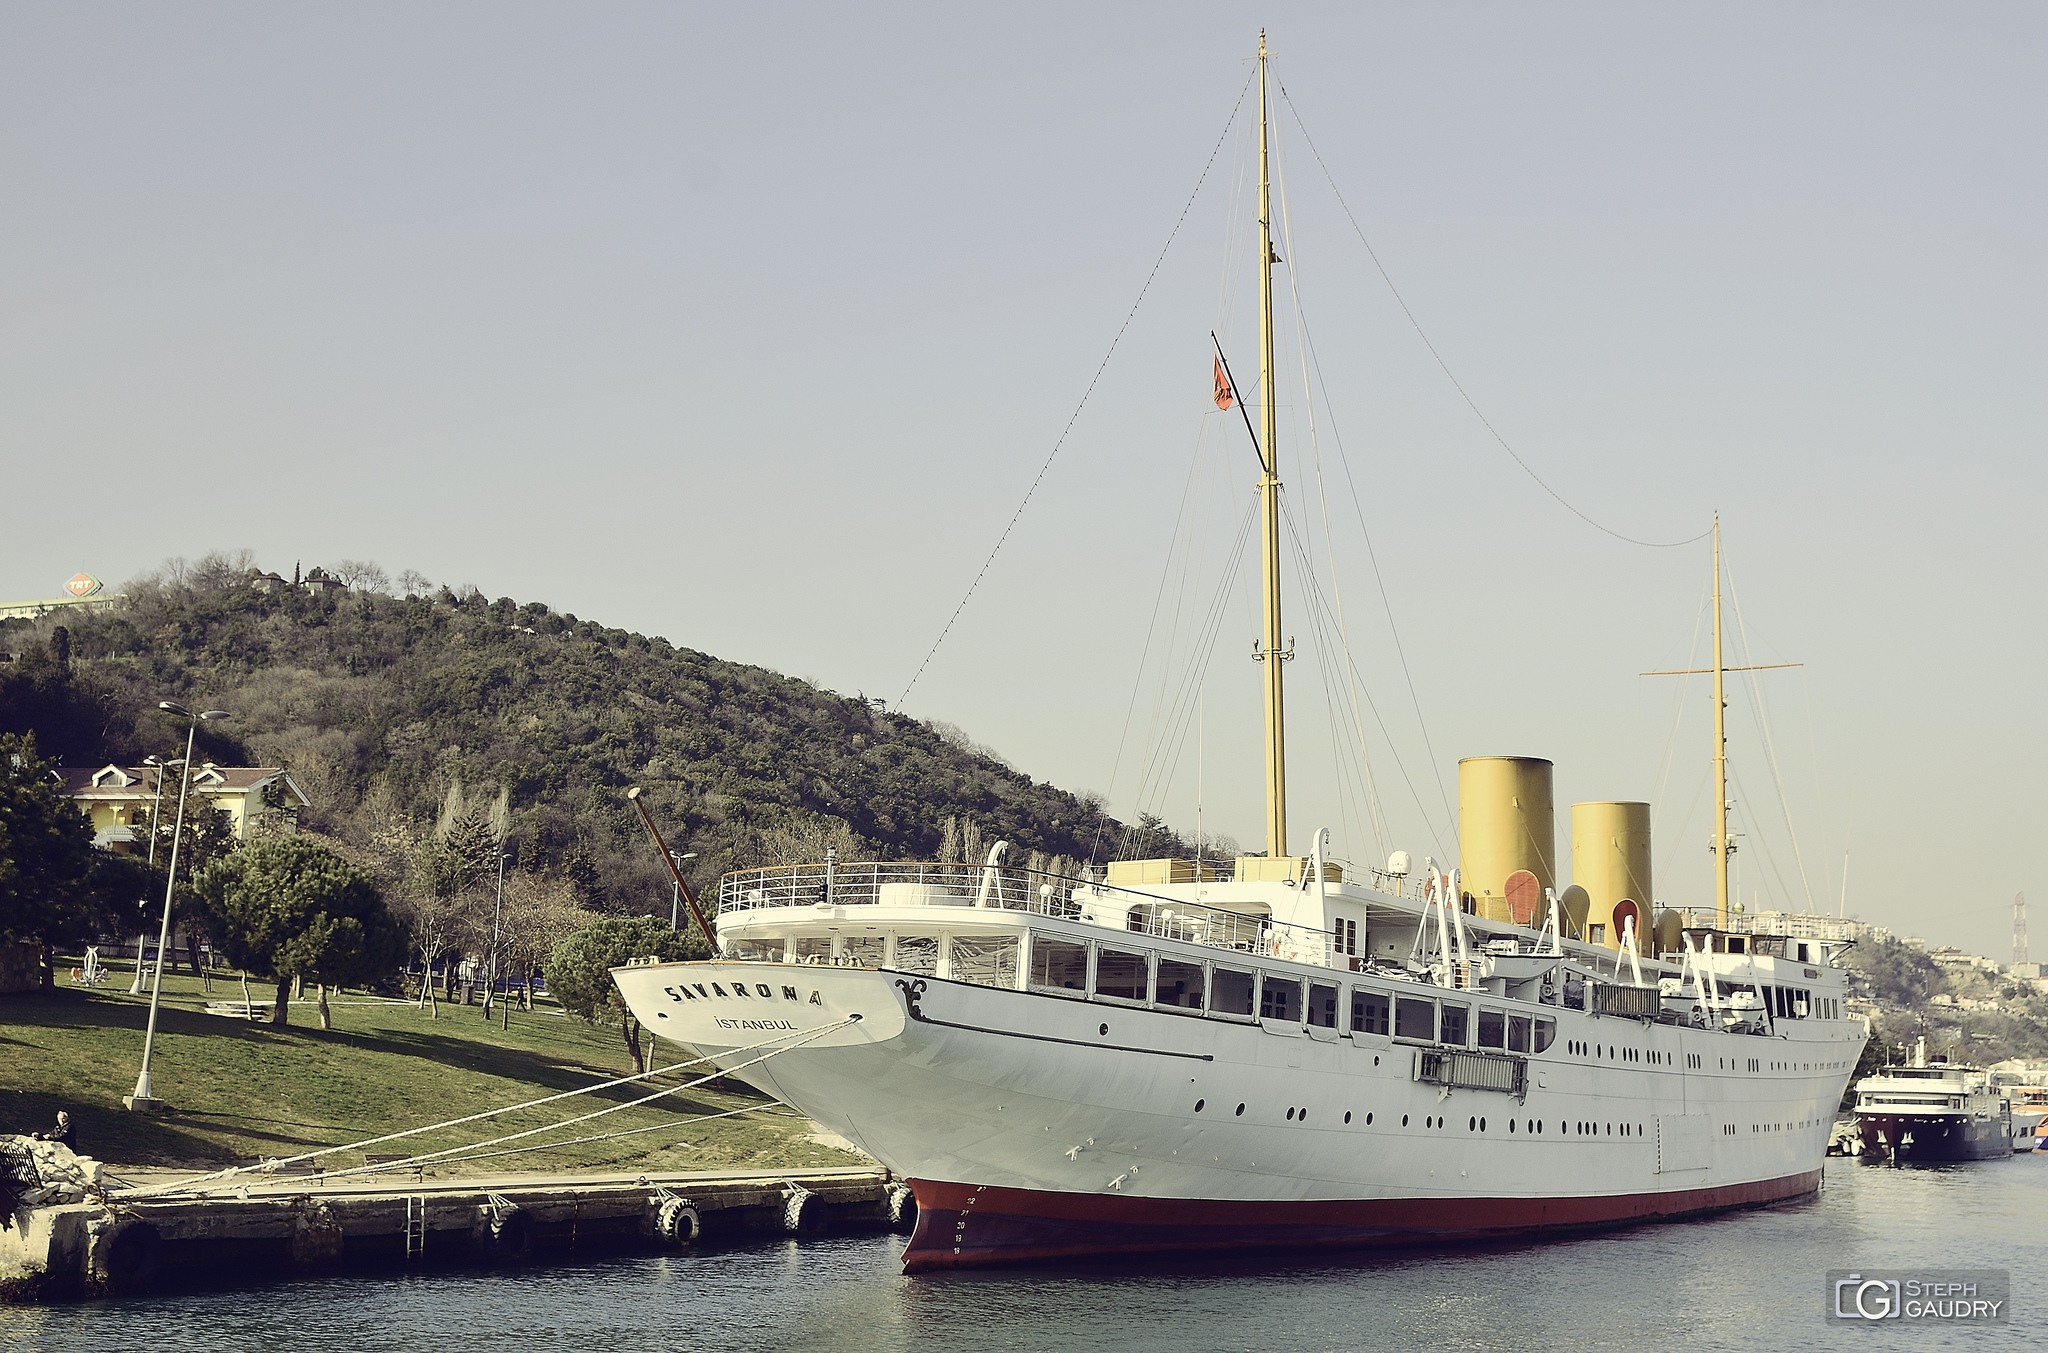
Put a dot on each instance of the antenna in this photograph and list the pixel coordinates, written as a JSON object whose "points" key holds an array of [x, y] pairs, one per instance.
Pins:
{"points": [[2019, 928]]}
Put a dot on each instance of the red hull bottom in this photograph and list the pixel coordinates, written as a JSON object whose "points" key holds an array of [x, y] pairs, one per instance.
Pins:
{"points": [[962, 1226]]}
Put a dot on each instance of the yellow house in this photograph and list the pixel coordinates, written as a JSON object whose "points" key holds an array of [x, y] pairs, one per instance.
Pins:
{"points": [[119, 799]]}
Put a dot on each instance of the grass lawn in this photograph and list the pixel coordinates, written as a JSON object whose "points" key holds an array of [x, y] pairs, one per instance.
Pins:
{"points": [[241, 1092]]}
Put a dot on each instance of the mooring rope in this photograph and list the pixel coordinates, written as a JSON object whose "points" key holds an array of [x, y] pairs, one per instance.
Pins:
{"points": [[433, 1157], [187, 1185]]}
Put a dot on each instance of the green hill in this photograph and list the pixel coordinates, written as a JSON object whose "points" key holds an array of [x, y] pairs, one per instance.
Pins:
{"points": [[378, 703]]}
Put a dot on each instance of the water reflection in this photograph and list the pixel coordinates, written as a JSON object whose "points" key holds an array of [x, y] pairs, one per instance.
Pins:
{"points": [[1746, 1281]]}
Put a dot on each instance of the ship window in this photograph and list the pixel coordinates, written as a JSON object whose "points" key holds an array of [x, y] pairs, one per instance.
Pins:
{"points": [[1414, 1019], [862, 951], [753, 951], [1232, 992], [1369, 1013], [985, 960], [1518, 1033], [1452, 1024], [1546, 1034], [1278, 997], [1180, 984], [812, 948], [1322, 1007], [1056, 964], [1121, 974], [1493, 1029], [918, 954]]}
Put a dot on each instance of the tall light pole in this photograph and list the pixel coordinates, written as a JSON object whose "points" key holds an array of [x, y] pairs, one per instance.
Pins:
{"points": [[156, 818], [144, 1099], [675, 900], [491, 960]]}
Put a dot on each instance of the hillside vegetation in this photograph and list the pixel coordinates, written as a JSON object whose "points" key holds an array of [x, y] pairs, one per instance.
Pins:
{"points": [[380, 704]]}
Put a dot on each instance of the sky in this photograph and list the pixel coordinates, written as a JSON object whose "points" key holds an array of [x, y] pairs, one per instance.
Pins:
{"points": [[753, 326]]}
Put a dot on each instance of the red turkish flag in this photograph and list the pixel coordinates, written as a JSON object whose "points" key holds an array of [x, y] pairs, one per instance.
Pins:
{"points": [[1223, 396]]}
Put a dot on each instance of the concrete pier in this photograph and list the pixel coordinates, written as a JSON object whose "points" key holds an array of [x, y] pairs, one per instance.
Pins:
{"points": [[293, 1223]]}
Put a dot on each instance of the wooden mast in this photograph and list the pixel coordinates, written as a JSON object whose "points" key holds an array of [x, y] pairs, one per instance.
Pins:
{"points": [[1722, 846], [1269, 500]]}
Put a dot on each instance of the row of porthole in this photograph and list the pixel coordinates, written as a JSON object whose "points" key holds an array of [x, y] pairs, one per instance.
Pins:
{"points": [[1476, 1124], [1593, 1129], [1577, 1048]]}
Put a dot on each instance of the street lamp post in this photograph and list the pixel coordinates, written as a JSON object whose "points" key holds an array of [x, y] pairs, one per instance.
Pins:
{"points": [[675, 900], [491, 962], [144, 1099], [156, 818]]}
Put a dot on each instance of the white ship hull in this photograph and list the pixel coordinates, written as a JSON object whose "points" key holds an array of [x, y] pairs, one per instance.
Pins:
{"points": [[1033, 1125]]}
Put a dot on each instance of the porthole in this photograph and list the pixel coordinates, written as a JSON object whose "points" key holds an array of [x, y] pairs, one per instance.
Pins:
{"points": [[1375, 1061], [1199, 1103], [1301, 1115], [1511, 1125], [1240, 1111], [1471, 1125], [1347, 1115], [1404, 1120], [1482, 1125], [1368, 1120], [1104, 1031], [1290, 1115]]}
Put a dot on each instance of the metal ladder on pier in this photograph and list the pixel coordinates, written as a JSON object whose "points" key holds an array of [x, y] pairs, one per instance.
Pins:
{"points": [[415, 1226]]}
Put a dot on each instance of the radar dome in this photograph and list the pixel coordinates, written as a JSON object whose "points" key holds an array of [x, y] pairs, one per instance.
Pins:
{"points": [[1397, 864]]}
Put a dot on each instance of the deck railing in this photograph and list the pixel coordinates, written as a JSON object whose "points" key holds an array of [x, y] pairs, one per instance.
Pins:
{"points": [[902, 883]]}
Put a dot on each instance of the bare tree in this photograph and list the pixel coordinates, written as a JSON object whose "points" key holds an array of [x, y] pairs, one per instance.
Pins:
{"points": [[414, 583], [362, 575]]}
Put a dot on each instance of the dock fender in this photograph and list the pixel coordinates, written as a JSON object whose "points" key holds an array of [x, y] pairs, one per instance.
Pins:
{"points": [[677, 1221], [124, 1253], [507, 1232], [902, 1209], [803, 1212]]}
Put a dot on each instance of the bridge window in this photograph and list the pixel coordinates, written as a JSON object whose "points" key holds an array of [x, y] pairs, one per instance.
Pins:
{"points": [[1369, 1012], [1180, 984], [1518, 1033], [1414, 1019], [1322, 1007], [1451, 1024], [917, 954], [1493, 1029], [1055, 963], [1278, 998], [1232, 994], [1545, 1034], [985, 960], [1121, 974]]}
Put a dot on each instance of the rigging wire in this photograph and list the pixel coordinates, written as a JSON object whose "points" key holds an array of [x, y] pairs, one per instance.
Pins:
{"points": [[1314, 593], [1180, 710], [1457, 385], [1314, 358], [1763, 722], [1351, 679], [1678, 711], [1092, 382]]}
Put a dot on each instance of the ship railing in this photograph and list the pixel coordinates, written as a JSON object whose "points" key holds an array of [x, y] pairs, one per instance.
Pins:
{"points": [[907, 883]]}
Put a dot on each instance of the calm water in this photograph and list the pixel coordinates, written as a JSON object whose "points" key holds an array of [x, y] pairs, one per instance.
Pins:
{"points": [[1751, 1281]]}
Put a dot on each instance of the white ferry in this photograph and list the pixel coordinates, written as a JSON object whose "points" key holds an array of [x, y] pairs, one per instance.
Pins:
{"points": [[1934, 1110], [1176, 1057]]}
